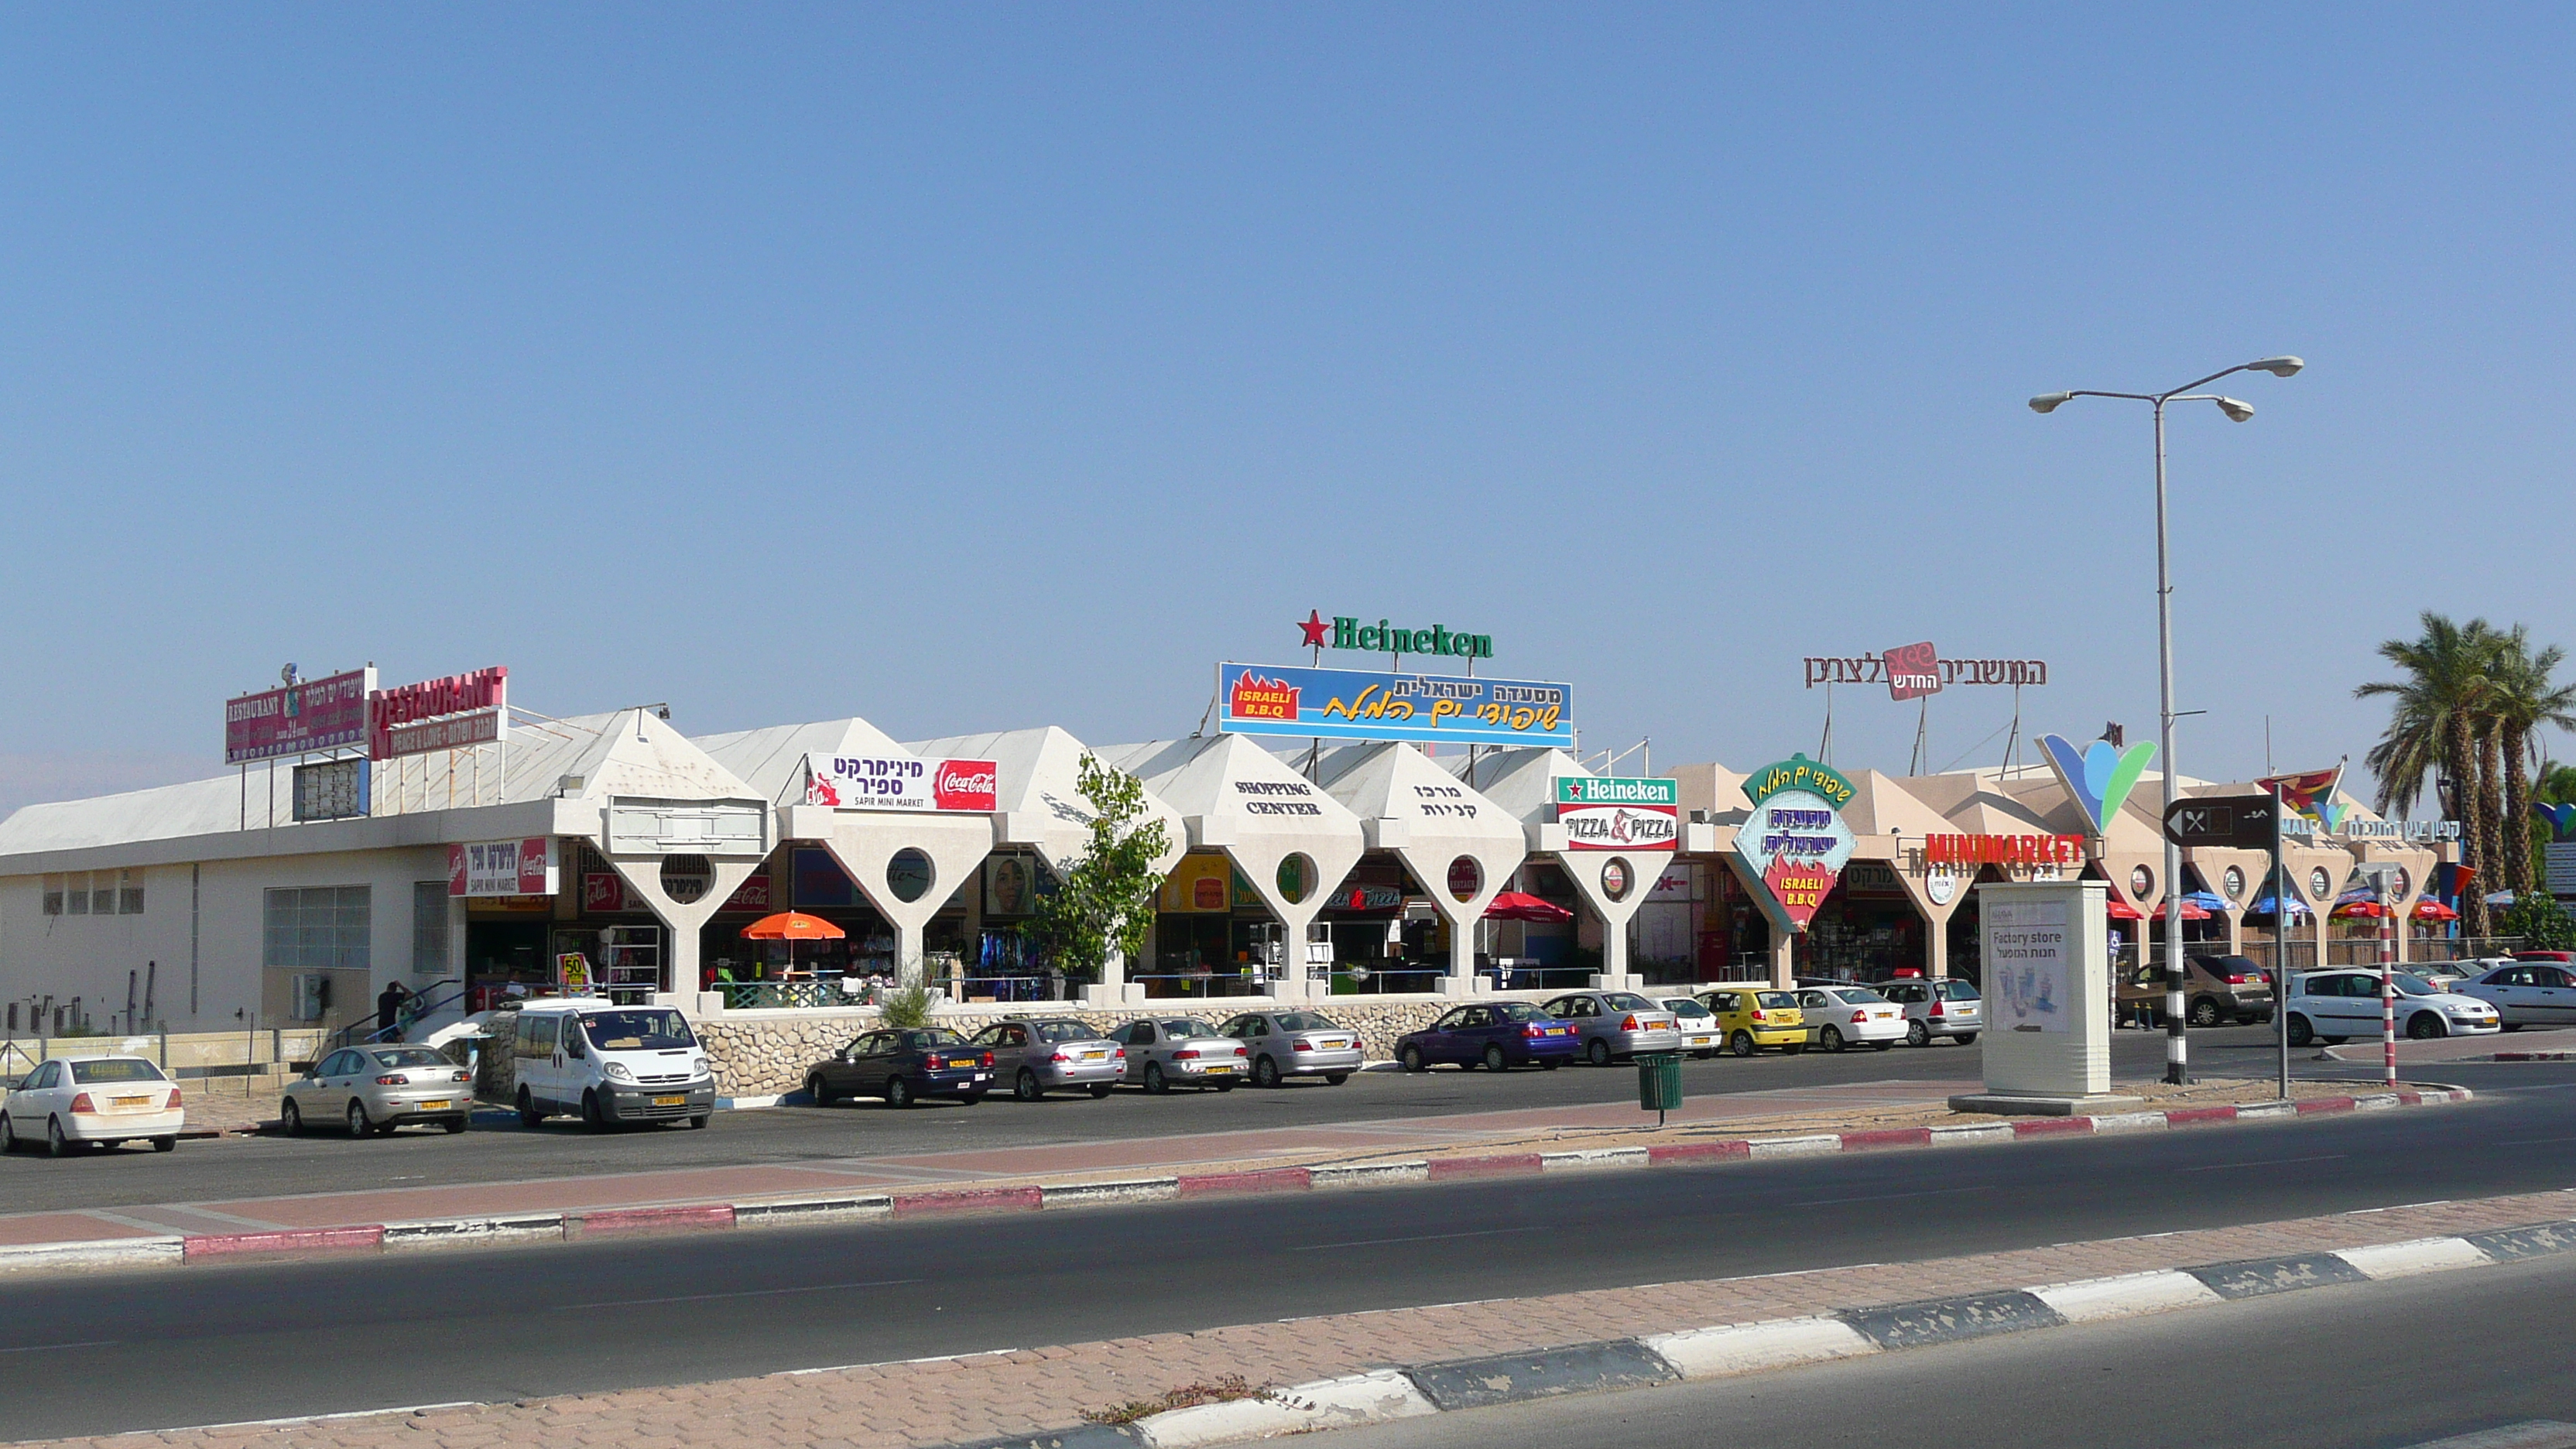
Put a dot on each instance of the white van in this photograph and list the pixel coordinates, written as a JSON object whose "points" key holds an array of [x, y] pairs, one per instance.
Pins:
{"points": [[609, 1063]]}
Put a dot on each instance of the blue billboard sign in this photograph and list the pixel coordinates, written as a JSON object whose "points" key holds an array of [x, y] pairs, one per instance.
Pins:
{"points": [[1362, 704]]}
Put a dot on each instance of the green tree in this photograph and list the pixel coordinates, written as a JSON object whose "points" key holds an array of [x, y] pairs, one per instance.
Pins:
{"points": [[2541, 922], [1103, 902], [2439, 714], [2526, 699]]}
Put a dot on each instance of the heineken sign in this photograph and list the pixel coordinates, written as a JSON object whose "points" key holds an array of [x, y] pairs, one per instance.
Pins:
{"points": [[1384, 638], [1791, 849], [1618, 814]]}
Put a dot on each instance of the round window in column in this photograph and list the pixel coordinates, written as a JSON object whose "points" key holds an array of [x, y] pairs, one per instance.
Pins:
{"points": [[1466, 878], [2233, 882], [2319, 885], [908, 874], [1296, 878], [1617, 877], [2142, 882], [687, 878], [2399, 882]]}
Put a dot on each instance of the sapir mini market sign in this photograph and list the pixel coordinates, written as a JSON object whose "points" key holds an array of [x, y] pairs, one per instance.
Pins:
{"points": [[901, 782], [1618, 814], [1794, 844]]}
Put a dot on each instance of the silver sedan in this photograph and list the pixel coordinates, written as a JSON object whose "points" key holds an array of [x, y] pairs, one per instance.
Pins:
{"points": [[1295, 1044], [1165, 1050], [1042, 1055], [1616, 1024], [375, 1089]]}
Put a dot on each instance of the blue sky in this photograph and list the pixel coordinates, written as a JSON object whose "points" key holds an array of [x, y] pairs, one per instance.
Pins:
{"points": [[972, 367]]}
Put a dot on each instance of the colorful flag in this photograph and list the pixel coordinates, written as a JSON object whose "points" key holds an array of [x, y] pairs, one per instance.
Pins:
{"points": [[2312, 793]]}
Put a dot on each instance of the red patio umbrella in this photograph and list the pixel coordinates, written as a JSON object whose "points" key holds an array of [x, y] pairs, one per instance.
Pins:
{"points": [[1522, 906], [2429, 909], [2121, 910]]}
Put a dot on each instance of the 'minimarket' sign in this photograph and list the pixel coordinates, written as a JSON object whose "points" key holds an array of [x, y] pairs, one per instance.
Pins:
{"points": [[1382, 638]]}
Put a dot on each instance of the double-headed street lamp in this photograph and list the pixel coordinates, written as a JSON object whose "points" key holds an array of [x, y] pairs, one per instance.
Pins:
{"points": [[2177, 1053]]}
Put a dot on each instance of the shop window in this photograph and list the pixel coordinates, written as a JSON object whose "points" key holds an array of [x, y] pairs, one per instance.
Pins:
{"points": [[53, 895], [316, 928], [908, 874], [79, 895], [429, 927], [129, 893]]}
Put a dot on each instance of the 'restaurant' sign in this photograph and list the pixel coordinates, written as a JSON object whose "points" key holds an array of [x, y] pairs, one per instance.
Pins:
{"points": [[1601, 813], [304, 717], [1793, 846], [454, 713], [501, 868], [901, 782]]}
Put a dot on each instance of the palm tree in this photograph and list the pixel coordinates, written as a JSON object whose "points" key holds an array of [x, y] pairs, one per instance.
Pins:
{"points": [[2525, 699], [2438, 720]]}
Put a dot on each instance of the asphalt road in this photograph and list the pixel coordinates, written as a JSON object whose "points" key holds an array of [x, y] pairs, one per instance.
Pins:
{"points": [[499, 1150], [2370, 1366], [259, 1340]]}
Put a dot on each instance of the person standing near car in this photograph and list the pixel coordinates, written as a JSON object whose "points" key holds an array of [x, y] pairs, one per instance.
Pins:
{"points": [[389, 1005]]}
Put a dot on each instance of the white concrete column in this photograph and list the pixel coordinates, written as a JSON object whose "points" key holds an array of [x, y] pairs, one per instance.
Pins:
{"points": [[1784, 958]]}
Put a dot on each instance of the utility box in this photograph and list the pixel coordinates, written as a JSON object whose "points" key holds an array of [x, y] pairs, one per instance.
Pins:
{"points": [[2045, 954]]}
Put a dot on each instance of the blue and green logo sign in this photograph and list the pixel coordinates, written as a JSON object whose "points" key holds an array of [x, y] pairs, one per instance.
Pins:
{"points": [[2098, 778]]}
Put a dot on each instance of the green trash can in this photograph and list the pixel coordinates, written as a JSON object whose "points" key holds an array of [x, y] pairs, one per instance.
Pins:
{"points": [[1659, 1083]]}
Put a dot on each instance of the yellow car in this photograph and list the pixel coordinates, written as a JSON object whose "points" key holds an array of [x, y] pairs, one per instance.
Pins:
{"points": [[1753, 1017]]}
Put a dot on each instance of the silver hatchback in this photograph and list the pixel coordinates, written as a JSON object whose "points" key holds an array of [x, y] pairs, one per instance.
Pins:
{"points": [[375, 1089], [1295, 1044], [1046, 1054], [1945, 1007], [1165, 1050], [1616, 1024]]}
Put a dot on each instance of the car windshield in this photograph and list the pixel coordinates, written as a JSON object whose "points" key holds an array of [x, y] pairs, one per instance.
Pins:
{"points": [[1186, 1027], [1775, 1000], [1684, 1006], [2418, 986], [1858, 995], [1626, 1001], [1064, 1031], [116, 1069], [1518, 1011], [1304, 1021], [637, 1029], [411, 1057]]}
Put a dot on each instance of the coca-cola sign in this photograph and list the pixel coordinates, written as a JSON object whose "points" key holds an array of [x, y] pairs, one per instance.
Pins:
{"points": [[901, 782]]}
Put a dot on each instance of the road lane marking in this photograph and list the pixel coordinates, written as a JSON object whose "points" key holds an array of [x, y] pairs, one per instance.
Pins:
{"points": [[2269, 1162], [2534, 1141], [1891, 1196], [744, 1293], [1425, 1238], [50, 1347]]}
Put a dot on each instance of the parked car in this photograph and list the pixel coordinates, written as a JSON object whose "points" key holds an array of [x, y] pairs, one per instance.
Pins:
{"points": [[374, 1089], [1701, 1036], [610, 1064], [2215, 989], [1164, 1050], [1754, 1017], [2525, 993], [1496, 1035], [904, 1065], [1616, 1024], [2339, 1005], [1946, 1007], [1295, 1044], [1841, 1017], [1043, 1054], [100, 1101]]}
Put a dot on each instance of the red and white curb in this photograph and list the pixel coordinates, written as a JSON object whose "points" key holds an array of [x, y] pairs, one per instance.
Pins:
{"points": [[532, 1228]]}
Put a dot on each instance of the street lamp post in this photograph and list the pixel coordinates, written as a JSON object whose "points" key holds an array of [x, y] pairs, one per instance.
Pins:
{"points": [[2177, 1048]]}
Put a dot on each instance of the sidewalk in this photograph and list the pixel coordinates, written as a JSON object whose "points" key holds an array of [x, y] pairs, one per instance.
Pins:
{"points": [[1031, 1391], [1876, 1114]]}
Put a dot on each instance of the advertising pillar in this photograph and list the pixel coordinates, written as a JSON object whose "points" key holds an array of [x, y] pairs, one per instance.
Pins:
{"points": [[2046, 956]]}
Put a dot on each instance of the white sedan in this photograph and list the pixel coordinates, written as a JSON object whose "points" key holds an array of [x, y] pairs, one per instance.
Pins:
{"points": [[102, 1100], [2338, 1005], [2526, 993], [1839, 1017]]}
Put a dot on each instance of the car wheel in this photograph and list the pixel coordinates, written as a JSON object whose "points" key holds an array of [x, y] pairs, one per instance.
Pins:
{"points": [[529, 1116], [359, 1126], [1100, 1090], [1265, 1073], [2204, 1012], [1156, 1084], [2300, 1032], [1494, 1059], [898, 1092], [1965, 1038], [1598, 1053], [1411, 1059], [290, 1117], [592, 1115], [700, 1121], [1335, 1079], [1025, 1086], [1831, 1039], [2424, 1026], [819, 1090], [55, 1144], [1742, 1044], [455, 1125], [1917, 1034], [8, 1134]]}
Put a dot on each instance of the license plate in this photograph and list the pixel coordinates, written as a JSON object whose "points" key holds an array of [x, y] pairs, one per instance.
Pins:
{"points": [[662, 1102], [1223, 1071], [133, 1101], [1335, 1045], [441, 1105], [1702, 1040], [1556, 1031], [1094, 1056], [960, 1064]]}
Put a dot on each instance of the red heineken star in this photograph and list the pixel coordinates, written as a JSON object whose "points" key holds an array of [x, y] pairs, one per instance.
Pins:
{"points": [[1315, 628]]}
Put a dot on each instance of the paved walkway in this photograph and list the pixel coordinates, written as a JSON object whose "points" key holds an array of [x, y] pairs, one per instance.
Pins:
{"points": [[1031, 1390]]}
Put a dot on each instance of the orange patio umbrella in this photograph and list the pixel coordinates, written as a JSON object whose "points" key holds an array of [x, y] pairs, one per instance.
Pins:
{"points": [[792, 927]]}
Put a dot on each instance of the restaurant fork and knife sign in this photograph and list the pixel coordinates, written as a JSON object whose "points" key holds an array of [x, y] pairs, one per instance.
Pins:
{"points": [[2239, 822]]}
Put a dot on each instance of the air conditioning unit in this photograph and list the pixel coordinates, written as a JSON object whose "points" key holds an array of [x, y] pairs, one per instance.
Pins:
{"points": [[312, 995]]}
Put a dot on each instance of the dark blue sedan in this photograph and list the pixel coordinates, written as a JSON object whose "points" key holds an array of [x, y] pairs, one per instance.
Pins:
{"points": [[1495, 1035]]}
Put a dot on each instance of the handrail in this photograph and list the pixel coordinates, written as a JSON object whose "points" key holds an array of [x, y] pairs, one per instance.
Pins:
{"points": [[347, 1035]]}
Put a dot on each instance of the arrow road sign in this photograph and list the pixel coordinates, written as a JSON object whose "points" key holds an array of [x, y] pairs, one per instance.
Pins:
{"points": [[2240, 822]]}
